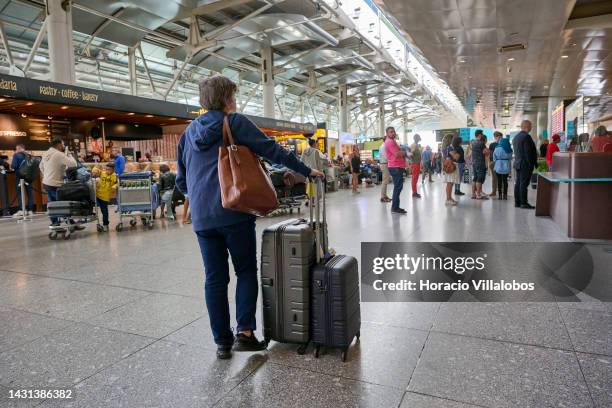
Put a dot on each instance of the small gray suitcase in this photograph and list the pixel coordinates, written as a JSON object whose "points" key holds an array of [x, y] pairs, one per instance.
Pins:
{"points": [[68, 209], [287, 256], [336, 315]]}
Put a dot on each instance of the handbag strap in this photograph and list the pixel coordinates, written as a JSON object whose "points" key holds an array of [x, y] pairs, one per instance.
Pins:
{"points": [[228, 139]]}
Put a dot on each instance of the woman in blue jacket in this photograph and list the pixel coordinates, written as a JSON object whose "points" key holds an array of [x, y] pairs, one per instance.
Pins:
{"points": [[502, 155], [220, 230]]}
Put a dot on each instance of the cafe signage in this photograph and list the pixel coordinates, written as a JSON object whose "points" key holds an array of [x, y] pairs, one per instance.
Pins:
{"points": [[44, 91]]}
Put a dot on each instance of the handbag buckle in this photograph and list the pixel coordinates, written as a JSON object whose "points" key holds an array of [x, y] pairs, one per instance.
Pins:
{"points": [[234, 148]]}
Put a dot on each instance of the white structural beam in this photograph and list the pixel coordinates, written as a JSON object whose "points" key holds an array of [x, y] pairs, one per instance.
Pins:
{"points": [[59, 37], [132, 71], [267, 80], [39, 37], [343, 111], [381, 115], [146, 68], [7, 48]]}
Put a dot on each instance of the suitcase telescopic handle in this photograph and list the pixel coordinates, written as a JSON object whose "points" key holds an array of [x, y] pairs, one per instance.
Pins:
{"points": [[316, 199]]}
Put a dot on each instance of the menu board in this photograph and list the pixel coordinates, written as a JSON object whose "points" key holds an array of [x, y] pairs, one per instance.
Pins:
{"points": [[558, 118]]}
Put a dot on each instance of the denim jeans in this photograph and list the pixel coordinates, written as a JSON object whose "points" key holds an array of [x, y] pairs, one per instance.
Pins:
{"points": [[461, 169], [239, 239], [28, 188], [397, 174], [104, 210], [52, 196]]}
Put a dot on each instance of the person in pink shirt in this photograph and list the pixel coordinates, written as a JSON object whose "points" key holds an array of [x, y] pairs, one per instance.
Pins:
{"points": [[396, 160]]}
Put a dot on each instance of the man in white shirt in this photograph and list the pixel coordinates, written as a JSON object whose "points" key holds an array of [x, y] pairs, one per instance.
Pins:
{"points": [[53, 168], [384, 168]]}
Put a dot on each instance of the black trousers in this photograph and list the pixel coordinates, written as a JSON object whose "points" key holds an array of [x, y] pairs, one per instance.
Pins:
{"points": [[502, 184], [521, 185]]}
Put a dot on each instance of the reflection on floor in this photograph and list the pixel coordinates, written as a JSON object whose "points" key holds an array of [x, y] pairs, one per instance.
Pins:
{"points": [[121, 317]]}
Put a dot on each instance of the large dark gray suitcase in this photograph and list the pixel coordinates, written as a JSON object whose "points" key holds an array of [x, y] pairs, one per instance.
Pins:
{"points": [[68, 208], [287, 256], [336, 315]]}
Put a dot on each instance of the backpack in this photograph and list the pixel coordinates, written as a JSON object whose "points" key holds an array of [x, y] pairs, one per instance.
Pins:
{"points": [[28, 169]]}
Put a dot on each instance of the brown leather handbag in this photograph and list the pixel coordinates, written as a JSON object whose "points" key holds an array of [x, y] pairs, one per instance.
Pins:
{"points": [[245, 186], [449, 166]]}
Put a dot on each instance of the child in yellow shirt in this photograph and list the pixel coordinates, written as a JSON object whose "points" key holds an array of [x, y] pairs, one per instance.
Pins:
{"points": [[106, 183]]}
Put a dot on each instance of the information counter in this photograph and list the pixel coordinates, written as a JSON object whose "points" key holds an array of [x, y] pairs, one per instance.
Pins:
{"points": [[577, 195]]}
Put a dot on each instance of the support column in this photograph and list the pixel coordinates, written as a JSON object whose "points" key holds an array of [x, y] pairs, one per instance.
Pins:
{"points": [[343, 112], [132, 70], [267, 81], [405, 125], [59, 37], [542, 124], [302, 110], [381, 115]]}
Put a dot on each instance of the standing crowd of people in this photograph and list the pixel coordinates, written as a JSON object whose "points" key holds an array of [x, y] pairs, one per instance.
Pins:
{"points": [[457, 165]]}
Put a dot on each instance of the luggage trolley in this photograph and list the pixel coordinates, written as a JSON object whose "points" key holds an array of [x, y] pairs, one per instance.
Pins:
{"points": [[72, 215], [135, 199]]}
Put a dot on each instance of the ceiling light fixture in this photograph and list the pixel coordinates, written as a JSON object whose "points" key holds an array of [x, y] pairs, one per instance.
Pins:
{"points": [[510, 59], [101, 118], [2, 99], [29, 103], [565, 56], [587, 99], [149, 116], [23, 115], [131, 113], [64, 107], [452, 38]]}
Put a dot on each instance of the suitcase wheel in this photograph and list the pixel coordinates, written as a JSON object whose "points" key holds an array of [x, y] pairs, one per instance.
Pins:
{"points": [[132, 222], [53, 235], [316, 351], [302, 349], [99, 228], [119, 227]]}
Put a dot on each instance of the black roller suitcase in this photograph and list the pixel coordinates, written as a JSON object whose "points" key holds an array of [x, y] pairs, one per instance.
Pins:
{"points": [[68, 209], [336, 315], [287, 256], [335, 303]]}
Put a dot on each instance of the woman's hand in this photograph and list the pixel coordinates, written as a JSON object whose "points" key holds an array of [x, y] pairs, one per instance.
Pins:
{"points": [[316, 173]]}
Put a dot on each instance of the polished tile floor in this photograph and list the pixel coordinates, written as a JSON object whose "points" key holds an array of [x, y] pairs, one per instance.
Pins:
{"points": [[121, 318]]}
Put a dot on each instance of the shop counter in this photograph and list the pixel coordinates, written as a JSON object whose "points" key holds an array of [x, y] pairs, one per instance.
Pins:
{"points": [[577, 195]]}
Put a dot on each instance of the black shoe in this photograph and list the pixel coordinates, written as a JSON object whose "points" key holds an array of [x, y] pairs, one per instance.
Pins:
{"points": [[527, 206], [399, 211], [416, 195], [248, 343], [517, 205], [459, 193], [224, 352]]}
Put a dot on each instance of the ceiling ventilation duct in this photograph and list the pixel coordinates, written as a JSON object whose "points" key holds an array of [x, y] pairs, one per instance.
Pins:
{"points": [[312, 80]]}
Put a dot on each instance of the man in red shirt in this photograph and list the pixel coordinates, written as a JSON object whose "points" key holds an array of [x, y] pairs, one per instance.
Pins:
{"points": [[396, 160], [551, 149]]}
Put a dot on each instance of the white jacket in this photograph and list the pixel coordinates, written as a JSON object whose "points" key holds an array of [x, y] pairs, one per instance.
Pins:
{"points": [[53, 167]]}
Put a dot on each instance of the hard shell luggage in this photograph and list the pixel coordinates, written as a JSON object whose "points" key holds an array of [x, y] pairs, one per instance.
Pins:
{"points": [[287, 256], [334, 300], [68, 209], [336, 316]]}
